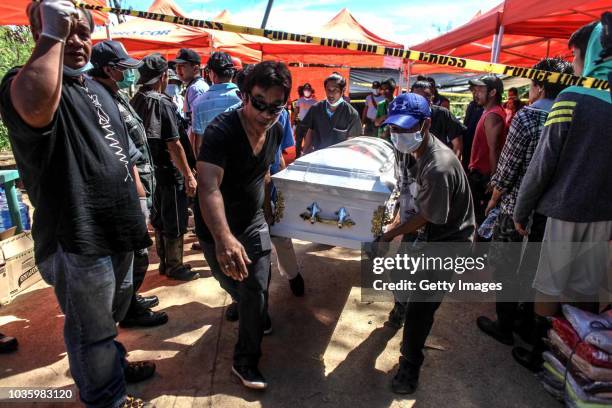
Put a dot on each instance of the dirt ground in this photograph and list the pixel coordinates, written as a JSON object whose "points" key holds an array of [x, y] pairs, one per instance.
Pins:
{"points": [[328, 349]]}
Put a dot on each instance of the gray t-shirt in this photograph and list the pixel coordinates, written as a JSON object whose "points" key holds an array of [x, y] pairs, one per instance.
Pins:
{"points": [[443, 194], [326, 130]]}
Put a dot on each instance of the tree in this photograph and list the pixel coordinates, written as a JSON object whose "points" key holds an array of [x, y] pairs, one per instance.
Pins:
{"points": [[16, 44]]}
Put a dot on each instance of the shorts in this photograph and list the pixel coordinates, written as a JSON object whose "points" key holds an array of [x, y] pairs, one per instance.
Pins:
{"points": [[574, 259]]}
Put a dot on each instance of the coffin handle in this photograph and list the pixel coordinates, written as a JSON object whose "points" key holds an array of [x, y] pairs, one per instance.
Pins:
{"points": [[313, 215]]}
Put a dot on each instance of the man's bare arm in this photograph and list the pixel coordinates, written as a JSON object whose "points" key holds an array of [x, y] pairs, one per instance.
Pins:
{"points": [[307, 142], [177, 155], [230, 253], [494, 129]]}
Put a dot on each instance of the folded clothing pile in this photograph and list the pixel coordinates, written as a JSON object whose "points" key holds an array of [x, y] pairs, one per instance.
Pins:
{"points": [[578, 367]]}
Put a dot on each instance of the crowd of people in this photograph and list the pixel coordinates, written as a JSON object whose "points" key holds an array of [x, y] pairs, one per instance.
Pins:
{"points": [[101, 170]]}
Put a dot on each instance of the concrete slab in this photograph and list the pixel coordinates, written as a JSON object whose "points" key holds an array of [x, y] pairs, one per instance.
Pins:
{"points": [[328, 348]]}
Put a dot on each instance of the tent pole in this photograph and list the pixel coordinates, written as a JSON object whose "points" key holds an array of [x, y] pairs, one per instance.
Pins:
{"points": [[496, 48], [108, 32], [267, 14], [547, 48]]}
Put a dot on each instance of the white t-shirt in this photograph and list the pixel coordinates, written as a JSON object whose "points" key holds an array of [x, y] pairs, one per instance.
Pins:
{"points": [[371, 114]]}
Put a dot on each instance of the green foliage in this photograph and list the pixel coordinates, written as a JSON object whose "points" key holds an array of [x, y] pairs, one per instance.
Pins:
{"points": [[16, 45]]}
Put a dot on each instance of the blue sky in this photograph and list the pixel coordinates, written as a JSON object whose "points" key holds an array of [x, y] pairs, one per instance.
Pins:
{"points": [[407, 22]]}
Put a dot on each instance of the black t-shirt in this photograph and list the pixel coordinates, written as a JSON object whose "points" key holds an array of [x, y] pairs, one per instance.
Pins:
{"points": [[158, 114], [444, 125], [225, 144], [77, 173]]}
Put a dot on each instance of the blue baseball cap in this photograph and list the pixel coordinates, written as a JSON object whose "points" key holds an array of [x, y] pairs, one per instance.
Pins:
{"points": [[407, 110]]}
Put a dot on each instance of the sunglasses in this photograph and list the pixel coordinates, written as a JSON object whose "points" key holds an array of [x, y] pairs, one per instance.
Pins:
{"points": [[262, 106]]}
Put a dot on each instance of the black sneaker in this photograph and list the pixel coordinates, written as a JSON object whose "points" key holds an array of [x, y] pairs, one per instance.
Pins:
{"points": [[406, 380], [492, 328], [268, 326], [250, 377], [8, 344], [147, 302], [297, 285], [231, 313], [144, 318], [138, 371], [133, 402], [397, 316]]}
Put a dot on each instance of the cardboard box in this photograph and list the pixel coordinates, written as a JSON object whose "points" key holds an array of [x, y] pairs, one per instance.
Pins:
{"points": [[17, 267]]}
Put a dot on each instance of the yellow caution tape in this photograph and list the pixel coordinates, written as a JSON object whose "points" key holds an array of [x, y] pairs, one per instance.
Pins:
{"points": [[413, 55]]}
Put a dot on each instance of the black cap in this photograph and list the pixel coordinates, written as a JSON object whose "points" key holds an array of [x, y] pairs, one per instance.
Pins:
{"points": [[187, 55], [112, 53], [219, 62], [490, 81], [153, 66], [307, 86], [375, 85]]}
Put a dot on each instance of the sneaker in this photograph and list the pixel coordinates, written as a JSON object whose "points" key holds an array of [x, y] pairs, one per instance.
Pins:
{"points": [[8, 344], [231, 313], [397, 316], [297, 285], [493, 329], [138, 371], [406, 380], [133, 402], [147, 302], [250, 377], [267, 325]]}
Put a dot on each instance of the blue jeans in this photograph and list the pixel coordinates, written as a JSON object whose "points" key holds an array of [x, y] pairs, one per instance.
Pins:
{"points": [[94, 293]]}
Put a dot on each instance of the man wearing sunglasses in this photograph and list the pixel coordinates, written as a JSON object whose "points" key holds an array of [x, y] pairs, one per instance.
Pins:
{"points": [[233, 167], [332, 120]]}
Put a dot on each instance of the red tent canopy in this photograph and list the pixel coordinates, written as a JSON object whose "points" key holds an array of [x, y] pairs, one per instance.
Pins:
{"points": [[13, 12], [532, 29], [142, 36], [343, 26]]}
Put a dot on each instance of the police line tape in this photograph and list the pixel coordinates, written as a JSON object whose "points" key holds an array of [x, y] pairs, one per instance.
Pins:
{"points": [[407, 54]]}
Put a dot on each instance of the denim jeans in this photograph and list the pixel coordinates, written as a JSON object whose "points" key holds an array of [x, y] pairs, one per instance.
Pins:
{"points": [[94, 293], [251, 294]]}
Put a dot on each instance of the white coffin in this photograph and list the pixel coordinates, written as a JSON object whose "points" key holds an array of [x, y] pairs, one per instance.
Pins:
{"points": [[355, 175]]}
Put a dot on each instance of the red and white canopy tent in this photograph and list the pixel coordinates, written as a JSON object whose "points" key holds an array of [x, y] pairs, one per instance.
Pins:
{"points": [[141, 36], [516, 32], [343, 26]]}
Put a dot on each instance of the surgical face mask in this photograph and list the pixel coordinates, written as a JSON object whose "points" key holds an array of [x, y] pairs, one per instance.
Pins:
{"points": [[307, 94], [407, 142], [172, 90], [335, 104], [129, 79], [76, 72], [376, 92]]}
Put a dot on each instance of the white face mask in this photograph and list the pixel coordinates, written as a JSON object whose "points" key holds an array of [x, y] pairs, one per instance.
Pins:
{"points": [[407, 142], [376, 92], [172, 90], [307, 94], [335, 104]]}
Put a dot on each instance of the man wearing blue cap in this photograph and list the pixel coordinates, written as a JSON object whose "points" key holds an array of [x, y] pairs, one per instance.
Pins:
{"points": [[442, 212]]}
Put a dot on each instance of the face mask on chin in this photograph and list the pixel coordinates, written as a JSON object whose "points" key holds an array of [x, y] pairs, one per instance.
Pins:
{"points": [[77, 72], [407, 142], [335, 104]]}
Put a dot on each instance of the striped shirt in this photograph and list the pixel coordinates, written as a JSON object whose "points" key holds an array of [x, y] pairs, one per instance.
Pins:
{"points": [[522, 139]]}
